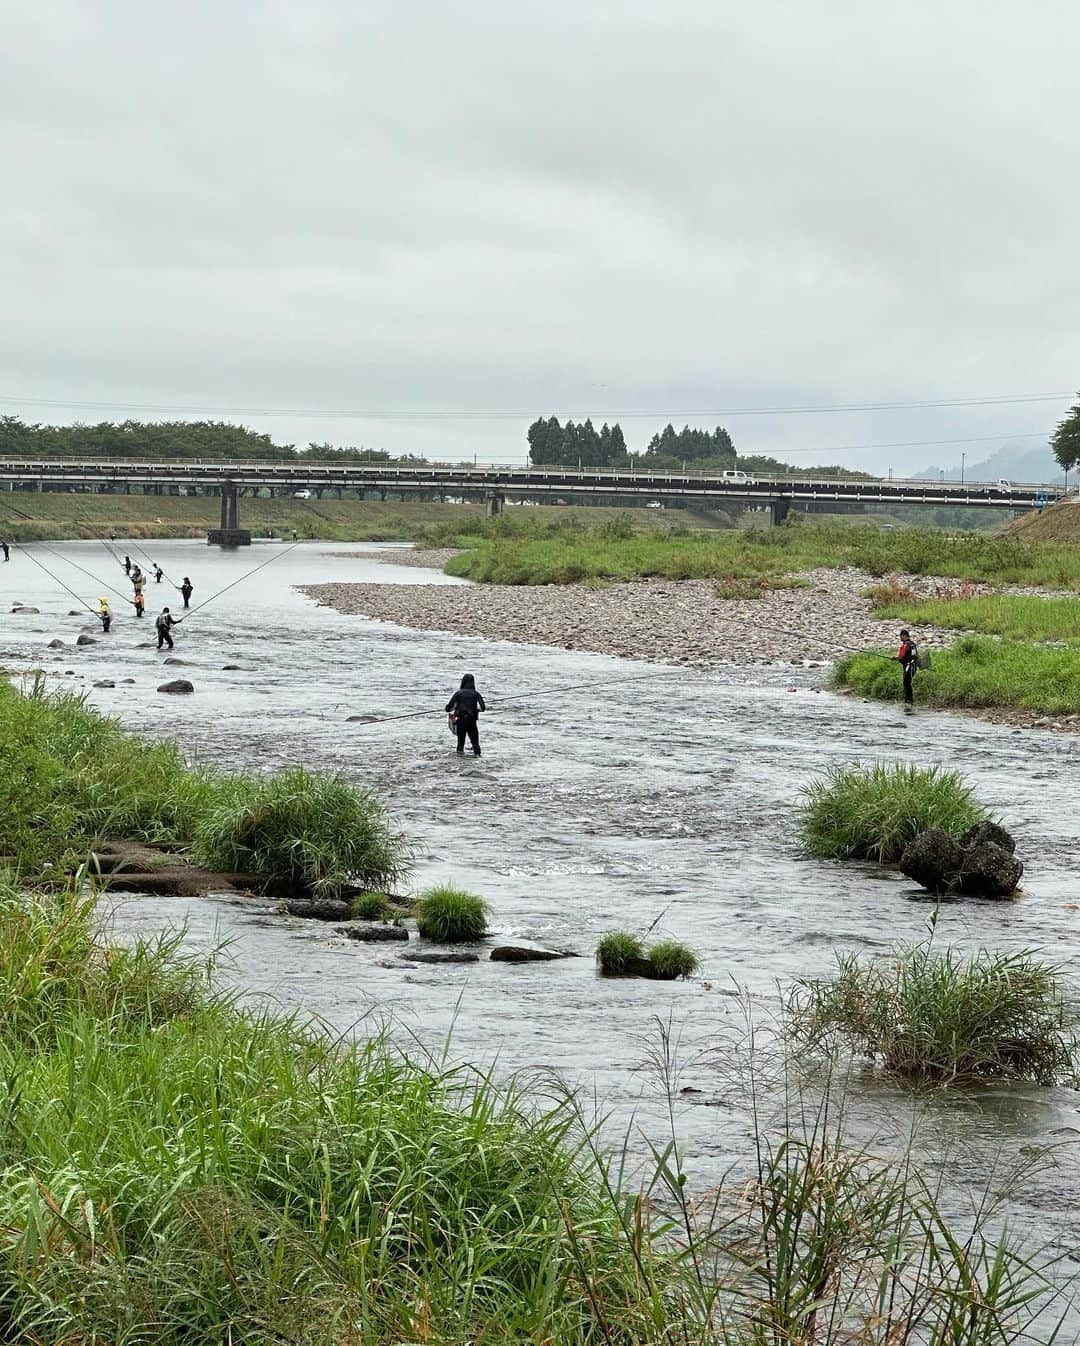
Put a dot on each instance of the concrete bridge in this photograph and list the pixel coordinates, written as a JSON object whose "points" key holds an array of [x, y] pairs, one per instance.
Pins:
{"points": [[495, 484]]}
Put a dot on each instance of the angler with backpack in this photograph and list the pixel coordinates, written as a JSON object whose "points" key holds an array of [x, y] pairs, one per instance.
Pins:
{"points": [[908, 658]]}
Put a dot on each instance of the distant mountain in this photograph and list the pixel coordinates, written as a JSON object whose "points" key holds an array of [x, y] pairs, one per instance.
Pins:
{"points": [[1012, 462]]}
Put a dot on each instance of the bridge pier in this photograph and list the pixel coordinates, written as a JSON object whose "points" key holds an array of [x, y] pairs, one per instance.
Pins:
{"points": [[230, 534], [494, 504], [779, 509]]}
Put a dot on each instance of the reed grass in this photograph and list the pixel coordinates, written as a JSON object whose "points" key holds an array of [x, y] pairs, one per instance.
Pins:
{"points": [[570, 552], [943, 1019], [449, 915], [73, 778], [872, 812]]}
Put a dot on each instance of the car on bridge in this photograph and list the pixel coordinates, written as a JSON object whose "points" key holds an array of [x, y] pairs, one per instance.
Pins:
{"points": [[737, 478]]}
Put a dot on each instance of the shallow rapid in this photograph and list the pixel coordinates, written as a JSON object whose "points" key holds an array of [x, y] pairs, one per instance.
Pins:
{"points": [[669, 800]]}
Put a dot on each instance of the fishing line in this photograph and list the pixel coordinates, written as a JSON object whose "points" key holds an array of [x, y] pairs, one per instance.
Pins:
{"points": [[239, 580], [608, 682], [81, 601], [104, 584]]}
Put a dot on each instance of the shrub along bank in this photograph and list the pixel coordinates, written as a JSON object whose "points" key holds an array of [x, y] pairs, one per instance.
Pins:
{"points": [[74, 779]]}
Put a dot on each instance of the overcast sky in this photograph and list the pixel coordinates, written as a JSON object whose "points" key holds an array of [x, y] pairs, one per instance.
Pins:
{"points": [[537, 208]]}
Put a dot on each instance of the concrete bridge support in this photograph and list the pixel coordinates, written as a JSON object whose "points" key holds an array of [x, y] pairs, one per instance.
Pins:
{"points": [[494, 505], [779, 509], [230, 534]]}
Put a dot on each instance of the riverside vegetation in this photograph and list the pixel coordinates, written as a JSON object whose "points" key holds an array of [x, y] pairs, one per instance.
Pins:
{"points": [[181, 1168]]}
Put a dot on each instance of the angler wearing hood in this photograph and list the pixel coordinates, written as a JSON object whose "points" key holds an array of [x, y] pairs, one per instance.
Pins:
{"points": [[464, 709], [105, 615], [907, 656]]}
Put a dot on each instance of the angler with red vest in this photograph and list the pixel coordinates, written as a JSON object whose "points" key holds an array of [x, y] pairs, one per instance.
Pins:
{"points": [[908, 658]]}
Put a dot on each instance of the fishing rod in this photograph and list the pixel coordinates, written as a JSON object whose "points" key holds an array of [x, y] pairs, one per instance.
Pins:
{"points": [[609, 682], [81, 602], [239, 580], [104, 584]]}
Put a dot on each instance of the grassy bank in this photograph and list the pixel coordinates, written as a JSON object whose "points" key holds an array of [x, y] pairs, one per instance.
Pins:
{"points": [[977, 673], [182, 1170], [73, 779], [1018, 616], [539, 555]]}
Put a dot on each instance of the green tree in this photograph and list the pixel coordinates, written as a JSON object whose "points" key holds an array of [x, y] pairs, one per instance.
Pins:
{"points": [[1066, 440]]}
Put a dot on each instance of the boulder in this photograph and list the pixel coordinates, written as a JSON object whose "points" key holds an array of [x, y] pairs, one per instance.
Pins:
{"points": [[57, 645], [84, 639], [373, 932], [934, 860], [25, 611], [227, 668], [104, 683], [988, 831], [178, 686], [128, 680], [442, 957], [989, 870], [75, 612], [172, 660], [319, 908], [520, 953]]}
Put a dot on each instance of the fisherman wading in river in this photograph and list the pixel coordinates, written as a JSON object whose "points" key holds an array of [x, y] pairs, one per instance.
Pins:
{"points": [[464, 709], [164, 623], [908, 658]]}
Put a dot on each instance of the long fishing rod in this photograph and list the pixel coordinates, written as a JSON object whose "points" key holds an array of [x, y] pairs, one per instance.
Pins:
{"points": [[81, 601], [239, 580], [68, 561]]}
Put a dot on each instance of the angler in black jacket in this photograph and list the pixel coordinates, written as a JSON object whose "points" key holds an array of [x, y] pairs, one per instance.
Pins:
{"points": [[464, 709]]}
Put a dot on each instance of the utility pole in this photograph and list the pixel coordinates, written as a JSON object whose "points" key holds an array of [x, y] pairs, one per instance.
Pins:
{"points": [[963, 465]]}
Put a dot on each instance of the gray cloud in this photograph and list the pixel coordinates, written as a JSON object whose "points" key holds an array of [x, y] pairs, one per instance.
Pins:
{"points": [[546, 208]]}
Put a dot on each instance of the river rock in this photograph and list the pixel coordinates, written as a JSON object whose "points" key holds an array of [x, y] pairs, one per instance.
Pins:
{"points": [[989, 870], [75, 612], [104, 683], [319, 908], [84, 639], [520, 953], [179, 686], [128, 680], [227, 668], [57, 645], [441, 957], [934, 860], [171, 660], [988, 831], [25, 611], [373, 932]]}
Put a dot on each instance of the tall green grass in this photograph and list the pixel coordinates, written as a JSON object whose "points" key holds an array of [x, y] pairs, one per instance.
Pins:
{"points": [[181, 1170], [978, 672], [1018, 616], [873, 812], [943, 1019], [450, 915], [73, 778], [538, 555]]}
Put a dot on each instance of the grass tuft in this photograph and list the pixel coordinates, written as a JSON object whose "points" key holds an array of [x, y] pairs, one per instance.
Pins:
{"points": [[451, 916], [942, 1019], [872, 812], [670, 959], [371, 906], [617, 949]]}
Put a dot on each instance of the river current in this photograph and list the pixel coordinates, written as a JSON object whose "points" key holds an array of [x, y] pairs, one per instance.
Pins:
{"points": [[668, 800]]}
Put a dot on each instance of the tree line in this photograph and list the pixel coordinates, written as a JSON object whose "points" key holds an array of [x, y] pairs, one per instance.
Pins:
{"points": [[1066, 439], [552, 444]]}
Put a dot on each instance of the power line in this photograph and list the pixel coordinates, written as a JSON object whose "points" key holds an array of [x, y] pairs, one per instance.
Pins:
{"points": [[376, 414]]}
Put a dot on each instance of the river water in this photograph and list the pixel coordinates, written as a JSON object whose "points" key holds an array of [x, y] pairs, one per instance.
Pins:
{"points": [[667, 800]]}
